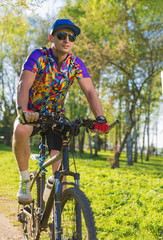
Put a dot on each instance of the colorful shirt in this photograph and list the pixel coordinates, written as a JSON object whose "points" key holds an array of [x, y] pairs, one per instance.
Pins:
{"points": [[51, 84]]}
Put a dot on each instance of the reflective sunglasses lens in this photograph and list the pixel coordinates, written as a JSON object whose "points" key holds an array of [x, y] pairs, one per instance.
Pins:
{"points": [[61, 36], [72, 38]]}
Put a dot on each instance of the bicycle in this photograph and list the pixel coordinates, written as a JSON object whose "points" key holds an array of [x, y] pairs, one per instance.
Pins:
{"points": [[66, 214]]}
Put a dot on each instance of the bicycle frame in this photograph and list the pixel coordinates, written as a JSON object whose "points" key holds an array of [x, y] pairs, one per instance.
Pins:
{"points": [[67, 129], [56, 192]]}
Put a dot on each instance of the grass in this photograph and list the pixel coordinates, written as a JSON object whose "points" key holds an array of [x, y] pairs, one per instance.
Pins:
{"points": [[127, 202]]}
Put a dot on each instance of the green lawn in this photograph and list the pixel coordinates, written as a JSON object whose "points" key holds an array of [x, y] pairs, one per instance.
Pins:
{"points": [[127, 202]]}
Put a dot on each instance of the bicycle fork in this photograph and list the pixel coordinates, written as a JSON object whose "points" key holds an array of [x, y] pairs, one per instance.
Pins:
{"points": [[58, 194], [57, 207]]}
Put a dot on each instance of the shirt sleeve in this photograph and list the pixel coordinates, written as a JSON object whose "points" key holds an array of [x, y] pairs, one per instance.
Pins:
{"points": [[81, 69], [31, 63]]}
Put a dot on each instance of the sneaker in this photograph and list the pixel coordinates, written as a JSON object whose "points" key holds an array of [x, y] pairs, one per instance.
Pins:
{"points": [[24, 194]]}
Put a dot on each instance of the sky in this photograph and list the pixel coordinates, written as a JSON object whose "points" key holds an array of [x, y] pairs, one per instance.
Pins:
{"points": [[51, 8]]}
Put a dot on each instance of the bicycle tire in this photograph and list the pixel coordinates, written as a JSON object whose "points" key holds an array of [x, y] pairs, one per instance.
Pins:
{"points": [[75, 196]]}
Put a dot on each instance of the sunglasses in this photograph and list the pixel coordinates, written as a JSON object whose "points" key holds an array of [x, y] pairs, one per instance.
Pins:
{"points": [[63, 36]]}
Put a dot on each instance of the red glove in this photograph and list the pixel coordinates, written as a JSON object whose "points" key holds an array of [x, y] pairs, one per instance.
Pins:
{"points": [[100, 127]]}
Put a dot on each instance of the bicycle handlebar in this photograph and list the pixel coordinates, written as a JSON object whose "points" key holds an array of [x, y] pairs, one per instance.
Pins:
{"points": [[60, 122]]}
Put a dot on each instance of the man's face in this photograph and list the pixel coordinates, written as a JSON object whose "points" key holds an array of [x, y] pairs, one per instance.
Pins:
{"points": [[63, 46]]}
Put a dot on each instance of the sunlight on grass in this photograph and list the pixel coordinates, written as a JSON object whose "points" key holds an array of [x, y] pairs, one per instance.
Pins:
{"points": [[127, 202]]}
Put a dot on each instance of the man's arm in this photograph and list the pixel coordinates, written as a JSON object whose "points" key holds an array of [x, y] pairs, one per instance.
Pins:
{"points": [[25, 83], [91, 95]]}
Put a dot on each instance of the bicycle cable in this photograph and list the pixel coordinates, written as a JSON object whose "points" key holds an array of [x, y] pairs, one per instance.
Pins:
{"points": [[74, 162]]}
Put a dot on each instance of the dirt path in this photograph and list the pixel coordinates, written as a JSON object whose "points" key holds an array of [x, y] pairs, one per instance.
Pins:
{"points": [[10, 229]]}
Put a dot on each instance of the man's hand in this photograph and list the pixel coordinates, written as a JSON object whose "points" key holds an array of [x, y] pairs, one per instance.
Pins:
{"points": [[31, 116], [100, 126]]}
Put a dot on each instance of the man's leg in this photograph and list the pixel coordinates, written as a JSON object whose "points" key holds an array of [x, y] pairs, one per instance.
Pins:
{"points": [[21, 150], [54, 141], [56, 165]]}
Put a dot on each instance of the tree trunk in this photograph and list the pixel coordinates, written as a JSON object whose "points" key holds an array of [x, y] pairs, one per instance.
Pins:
{"points": [[116, 164], [105, 142], [81, 143], [156, 139], [135, 144], [119, 125], [96, 144], [90, 145], [129, 150], [142, 150], [148, 121], [129, 140], [116, 161]]}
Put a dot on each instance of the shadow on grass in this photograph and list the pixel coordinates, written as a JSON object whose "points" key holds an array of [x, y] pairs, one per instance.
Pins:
{"points": [[153, 166], [5, 148]]}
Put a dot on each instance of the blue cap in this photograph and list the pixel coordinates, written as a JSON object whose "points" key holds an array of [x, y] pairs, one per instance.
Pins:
{"points": [[65, 24]]}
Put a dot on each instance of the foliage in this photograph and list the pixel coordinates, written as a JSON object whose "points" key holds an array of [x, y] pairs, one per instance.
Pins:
{"points": [[16, 38], [19, 6], [13, 49], [127, 202], [121, 43]]}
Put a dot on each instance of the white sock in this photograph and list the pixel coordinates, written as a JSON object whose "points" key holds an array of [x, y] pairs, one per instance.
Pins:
{"points": [[24, 175]]}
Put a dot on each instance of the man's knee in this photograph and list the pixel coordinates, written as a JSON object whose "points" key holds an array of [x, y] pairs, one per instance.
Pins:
{"points": [[53, 152], [21, 131]]}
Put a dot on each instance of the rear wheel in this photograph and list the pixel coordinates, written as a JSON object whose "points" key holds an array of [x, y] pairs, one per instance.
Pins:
{"points": [[77, 219]]}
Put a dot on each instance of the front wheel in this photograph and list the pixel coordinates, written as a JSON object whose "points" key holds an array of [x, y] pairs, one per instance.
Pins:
{"points": [[77, 219]]}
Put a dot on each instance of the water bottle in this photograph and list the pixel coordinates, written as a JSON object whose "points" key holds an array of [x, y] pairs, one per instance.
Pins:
{"points": [[48, 188]]}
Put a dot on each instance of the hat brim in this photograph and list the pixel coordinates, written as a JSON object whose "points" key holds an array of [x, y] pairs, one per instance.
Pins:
{"points": [[73, 28]]}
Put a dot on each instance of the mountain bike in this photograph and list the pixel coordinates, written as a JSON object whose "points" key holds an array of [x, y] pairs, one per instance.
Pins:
{"points": [[66, 214]]}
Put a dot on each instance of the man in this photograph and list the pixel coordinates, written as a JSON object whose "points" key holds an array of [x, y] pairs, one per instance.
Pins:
{"points": [[46, 76]]}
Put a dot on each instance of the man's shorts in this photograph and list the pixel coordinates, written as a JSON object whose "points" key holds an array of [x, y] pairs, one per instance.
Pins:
{"points": [[54, 140]]}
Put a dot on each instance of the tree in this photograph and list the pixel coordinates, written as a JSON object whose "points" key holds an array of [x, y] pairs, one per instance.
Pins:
{"points": [[13, 49], [125, 38], [15, 41]]}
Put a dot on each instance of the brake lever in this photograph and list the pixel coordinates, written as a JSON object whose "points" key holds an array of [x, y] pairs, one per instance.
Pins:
{"points": [[112, 125]]}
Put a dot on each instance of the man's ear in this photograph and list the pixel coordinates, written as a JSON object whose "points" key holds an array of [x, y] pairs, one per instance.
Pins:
{"points": [[50, 38]]}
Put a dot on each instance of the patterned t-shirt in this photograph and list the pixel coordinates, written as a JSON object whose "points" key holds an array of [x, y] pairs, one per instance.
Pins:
{"points": [[51, 84]]}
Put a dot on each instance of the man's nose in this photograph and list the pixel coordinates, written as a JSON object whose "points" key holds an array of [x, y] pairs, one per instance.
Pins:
{"points": [[67, 38]]}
